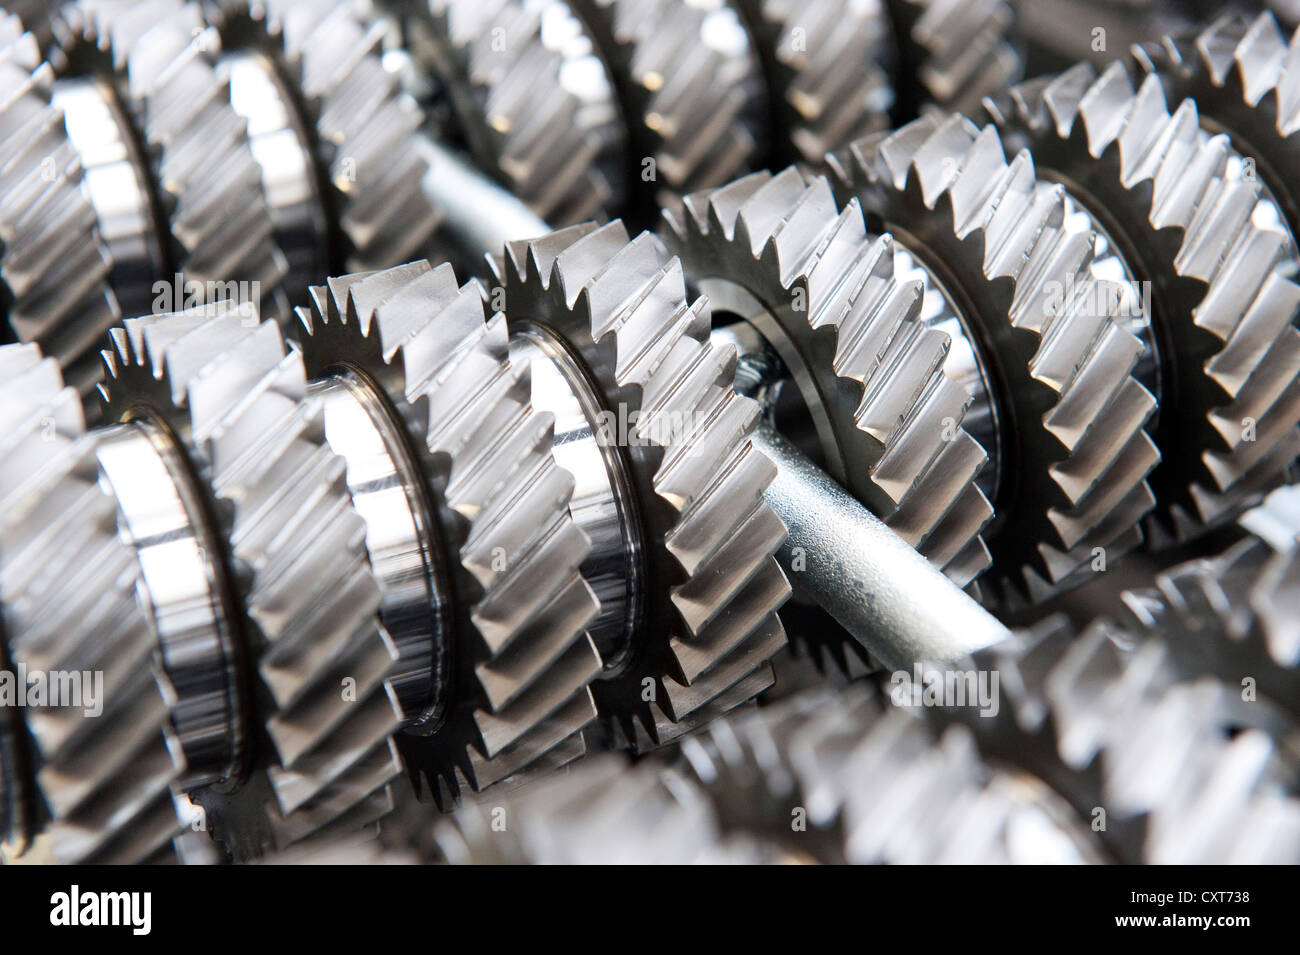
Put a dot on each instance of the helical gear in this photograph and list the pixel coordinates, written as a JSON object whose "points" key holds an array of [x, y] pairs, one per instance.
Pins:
{"points": [[705, 638], [54, 266], [831, 296], [530, 98], [72, 611], [518, 681], [998, 237], [1193, 222], [208, 184], [234, 402], [689, 86]]}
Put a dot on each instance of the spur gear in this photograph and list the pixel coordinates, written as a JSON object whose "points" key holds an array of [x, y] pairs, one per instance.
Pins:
{"points": [[693, 638], [102, 763], [53, 264], [865, 344], [1198, 230], [222, 406], [530, 98], [489, 509], [688, 84], [1070, 450]]}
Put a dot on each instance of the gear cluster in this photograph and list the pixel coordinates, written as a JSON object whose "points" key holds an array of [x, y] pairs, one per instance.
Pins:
{"points": [[655, 431]]}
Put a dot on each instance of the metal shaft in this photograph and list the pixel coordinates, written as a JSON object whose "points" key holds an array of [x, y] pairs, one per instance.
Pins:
{"points": [[891, 599]]}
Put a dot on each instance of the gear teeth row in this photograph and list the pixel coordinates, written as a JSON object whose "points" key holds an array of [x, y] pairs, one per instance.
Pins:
{"points": [[828, 68], [1050, 328], [208, 183], [606, 812], [1232, 614], [557, 147], [1245, 75], [71, 613], [961, 49], [224, 384], [519, 684], [833, 292], [54, 267], [707, 635], [362, 128], [1195, 221], [1169, 760], [689, 85]]}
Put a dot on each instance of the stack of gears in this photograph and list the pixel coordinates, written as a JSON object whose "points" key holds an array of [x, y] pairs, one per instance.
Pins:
{"points": [[648, 431]]}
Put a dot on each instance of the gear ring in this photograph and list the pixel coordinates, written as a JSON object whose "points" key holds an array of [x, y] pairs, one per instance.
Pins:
{"points": [[1192, 225], [1072, 413], [519, 676], [878, 368], [706, 638]]}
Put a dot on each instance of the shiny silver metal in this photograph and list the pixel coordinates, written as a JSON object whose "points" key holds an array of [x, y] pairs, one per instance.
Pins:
{"points": [[891, 599], [161, 516], [603, 504], [400, 537]]}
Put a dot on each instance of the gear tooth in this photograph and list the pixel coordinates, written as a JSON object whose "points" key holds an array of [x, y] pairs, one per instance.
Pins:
{"points": [[68, 592], [1217, 45], [1259, 52], [860, 321], [524, 661], [561, 151], [1104, 107], [1062, 95]]}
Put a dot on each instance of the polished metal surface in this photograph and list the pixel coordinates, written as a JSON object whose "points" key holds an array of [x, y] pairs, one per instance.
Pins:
{"points": [[114, 180], [891, 599], [602, 504], [282, 150], [181, 569], [400, 538]]}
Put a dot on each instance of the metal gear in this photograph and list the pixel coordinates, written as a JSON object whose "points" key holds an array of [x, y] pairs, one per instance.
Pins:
{"points": [[1244, 76], [688, 84], [1072, 453], [530, 97], [1196, 227], [828, 67], [516, 686], [864, 345], [696, 640], [53, 267], [160, 58], [69, 586], [362, 168], [220, 398]]}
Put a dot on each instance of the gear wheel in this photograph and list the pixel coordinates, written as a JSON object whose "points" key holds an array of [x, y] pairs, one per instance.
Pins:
{"points": [[1072, 451], [1244, 76], [705, 636], [530, 98], [1116, 730], [518, 682], [356, 126], [69, 585], [223, 392], [53, 265], [688, 84], [832, 300], [954, 52], [1195, 226], [828, 67], [207, 185]]}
